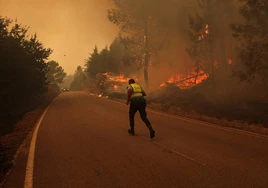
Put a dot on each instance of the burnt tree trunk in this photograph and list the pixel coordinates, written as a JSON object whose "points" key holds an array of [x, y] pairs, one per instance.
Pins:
{"points": [[211, 41], [146, 51]]}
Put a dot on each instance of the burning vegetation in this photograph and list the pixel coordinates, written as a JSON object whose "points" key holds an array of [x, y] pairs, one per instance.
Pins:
{"points": [[186, 81], [117, 83], [204, 42], [117, 79], [109, 82]]}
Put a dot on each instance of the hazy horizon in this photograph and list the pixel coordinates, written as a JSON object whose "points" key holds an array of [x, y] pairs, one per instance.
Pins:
{"points": [[69, 27]]}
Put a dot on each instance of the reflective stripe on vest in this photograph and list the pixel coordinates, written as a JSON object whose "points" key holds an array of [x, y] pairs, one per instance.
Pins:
{"points": [[137, 91]]}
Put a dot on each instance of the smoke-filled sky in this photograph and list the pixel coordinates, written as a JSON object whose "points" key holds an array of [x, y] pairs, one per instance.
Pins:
{"points": [[69, 27]]}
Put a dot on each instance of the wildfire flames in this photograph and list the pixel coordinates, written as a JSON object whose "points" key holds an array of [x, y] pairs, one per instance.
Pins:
{"points": [[206, 32], [116, 87], [118, 80], [188, 81]]}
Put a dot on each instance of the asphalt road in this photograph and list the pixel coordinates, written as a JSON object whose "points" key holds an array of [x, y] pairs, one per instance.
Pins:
{"points": [[83, 142]]}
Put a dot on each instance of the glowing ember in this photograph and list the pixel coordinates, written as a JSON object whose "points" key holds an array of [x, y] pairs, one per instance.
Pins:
{"points": [[116, 87], [201, 37], [206, 32], [162, 85], [230, 62], [188, 81], [216, 64]]}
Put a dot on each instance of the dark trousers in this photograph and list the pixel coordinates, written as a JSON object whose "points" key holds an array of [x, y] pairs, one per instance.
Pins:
{"points": [[139, 106]]}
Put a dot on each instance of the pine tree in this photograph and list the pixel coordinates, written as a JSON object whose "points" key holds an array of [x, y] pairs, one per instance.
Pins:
{"points": [[253, 35]]}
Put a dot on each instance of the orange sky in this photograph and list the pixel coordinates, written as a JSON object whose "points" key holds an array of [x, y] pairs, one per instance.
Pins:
{"points": [[70, 27]]}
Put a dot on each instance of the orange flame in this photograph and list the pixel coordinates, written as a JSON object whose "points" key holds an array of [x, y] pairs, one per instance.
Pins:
{"points": [[162, 85], [206, 32], [188, 81], [115, 87], [120, 78], [117, 80]]}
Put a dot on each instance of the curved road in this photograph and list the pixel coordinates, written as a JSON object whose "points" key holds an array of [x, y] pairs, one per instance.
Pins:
{"points": [[83, 142]]}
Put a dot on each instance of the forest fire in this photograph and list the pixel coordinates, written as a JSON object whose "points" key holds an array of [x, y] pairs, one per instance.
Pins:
{"points": [[120, 78], [188, 81], [117, 82], [206, 32]]}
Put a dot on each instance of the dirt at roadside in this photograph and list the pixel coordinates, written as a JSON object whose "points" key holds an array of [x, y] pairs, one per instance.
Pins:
{"points": [[14, 131], [10, 142]]}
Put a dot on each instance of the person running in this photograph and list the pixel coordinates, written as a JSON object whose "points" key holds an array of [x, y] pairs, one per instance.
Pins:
{"points": [[137, 103]]}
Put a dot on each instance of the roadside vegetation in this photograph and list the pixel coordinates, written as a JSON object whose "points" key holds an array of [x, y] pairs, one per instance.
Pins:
{"points": [[203, 59], [206, 57], [29, 82]]}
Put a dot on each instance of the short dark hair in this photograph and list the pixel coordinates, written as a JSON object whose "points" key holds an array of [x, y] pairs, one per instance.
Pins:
{"points": [[131, 81]]}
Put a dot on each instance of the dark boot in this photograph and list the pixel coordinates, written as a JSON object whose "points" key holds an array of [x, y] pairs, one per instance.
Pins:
{"points": [[131, 131], [152, 131]]}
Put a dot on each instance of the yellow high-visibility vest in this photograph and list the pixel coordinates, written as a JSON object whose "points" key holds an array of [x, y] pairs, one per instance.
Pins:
{"points": [[137, 91]]}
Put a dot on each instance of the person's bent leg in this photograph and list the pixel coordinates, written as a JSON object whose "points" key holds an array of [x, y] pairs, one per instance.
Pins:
{"points": [[132, 112], [143, 114]]}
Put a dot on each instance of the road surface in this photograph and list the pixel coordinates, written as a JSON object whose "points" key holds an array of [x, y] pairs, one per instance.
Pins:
{"points": [[83, 142]]}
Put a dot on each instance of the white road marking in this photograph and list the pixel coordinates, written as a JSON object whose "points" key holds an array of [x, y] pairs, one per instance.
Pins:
{"points": [[30, 163], [169, 149], [211, 125], [202, 122], [175, 152], [28, 181]]}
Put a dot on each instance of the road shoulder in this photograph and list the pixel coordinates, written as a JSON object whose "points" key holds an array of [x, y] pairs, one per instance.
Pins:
{"points": [[237, 125], [15, 146]]}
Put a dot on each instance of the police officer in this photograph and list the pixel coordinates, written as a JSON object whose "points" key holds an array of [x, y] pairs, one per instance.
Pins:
{"points": [[137, 103]]}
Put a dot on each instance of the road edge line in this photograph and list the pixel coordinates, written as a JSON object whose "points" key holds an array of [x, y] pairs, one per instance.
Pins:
{"points": [[196, 121], [174, 151], [28, 180]]}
